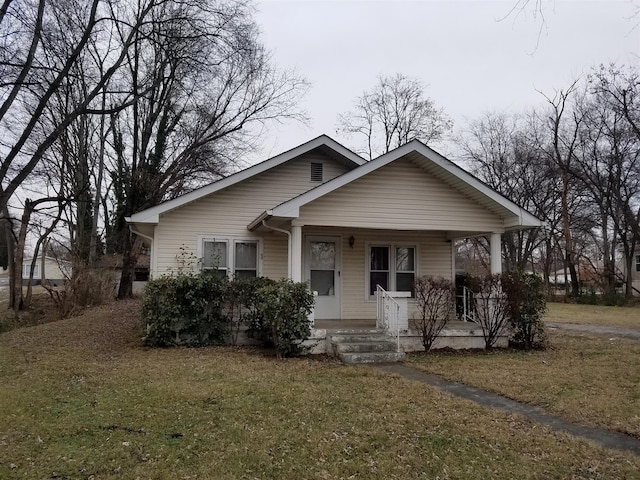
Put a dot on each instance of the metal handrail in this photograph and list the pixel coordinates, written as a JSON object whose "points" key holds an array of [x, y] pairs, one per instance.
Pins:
{"points": [[468, 314], [388, 309]]}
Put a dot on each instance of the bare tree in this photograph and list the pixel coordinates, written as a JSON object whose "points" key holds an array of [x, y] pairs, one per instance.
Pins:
{"points": [[610, 169], [59, 34], [394, 112], [564, 126], [202, 85], [503, 153]]}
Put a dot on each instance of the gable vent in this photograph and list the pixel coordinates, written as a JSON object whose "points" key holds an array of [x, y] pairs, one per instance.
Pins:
{"points": [[316, 172]]}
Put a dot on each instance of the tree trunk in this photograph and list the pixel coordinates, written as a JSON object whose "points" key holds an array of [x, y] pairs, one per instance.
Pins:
{"points": [[10, 241], [568, 239], [17, 301], [129, 260]]}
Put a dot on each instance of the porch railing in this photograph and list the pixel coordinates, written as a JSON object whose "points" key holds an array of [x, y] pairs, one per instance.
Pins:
{"points": [[468, 314], [388, 315]]}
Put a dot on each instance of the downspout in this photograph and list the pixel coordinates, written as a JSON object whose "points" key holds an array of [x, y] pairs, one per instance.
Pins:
{"points": [[288, 234]]}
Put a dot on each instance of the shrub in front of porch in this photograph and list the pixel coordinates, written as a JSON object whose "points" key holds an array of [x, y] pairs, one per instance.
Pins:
{"points": [[185, 310], [513, 301], [198, 310], [281, 317], [527, 305], [435, 303]]}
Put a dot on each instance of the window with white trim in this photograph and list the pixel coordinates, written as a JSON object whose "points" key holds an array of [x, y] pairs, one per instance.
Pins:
{"points": [[637, 263], [223, 257], [245, 259], [393, 267]]}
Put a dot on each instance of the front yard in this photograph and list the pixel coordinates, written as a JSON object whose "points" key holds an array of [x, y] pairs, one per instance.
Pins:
{"points": [[82, 399], [587, 378]]}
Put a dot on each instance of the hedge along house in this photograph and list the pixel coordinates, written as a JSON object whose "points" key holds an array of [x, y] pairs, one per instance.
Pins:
{"points": [[319, 213]]}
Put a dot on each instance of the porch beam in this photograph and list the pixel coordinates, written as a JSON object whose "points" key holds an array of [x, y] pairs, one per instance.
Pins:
{"points": [[496, 253], [296, 253]]}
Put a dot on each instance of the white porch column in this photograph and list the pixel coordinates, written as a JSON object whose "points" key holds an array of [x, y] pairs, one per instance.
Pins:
{"points": [[496, 253], [296, 253]]}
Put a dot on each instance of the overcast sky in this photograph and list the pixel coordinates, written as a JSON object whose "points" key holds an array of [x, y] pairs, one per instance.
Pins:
{"points": [[469, 59]]}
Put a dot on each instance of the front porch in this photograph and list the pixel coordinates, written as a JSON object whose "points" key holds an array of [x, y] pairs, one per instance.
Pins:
{"points": [[457, 335]]}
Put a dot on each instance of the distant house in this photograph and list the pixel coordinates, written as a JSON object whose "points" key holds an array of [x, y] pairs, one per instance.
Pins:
{"points": [[113, 262], [635, 273], [52, 271], [322, 214]]}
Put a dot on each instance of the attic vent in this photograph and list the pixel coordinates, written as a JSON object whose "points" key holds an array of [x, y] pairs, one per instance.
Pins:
{"points": [[316, 172]]}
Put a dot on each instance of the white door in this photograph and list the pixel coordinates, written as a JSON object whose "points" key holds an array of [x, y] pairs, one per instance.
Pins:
{"points": [[322, 256]]}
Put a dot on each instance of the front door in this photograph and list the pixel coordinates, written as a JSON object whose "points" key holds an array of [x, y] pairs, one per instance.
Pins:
{"points": [[323, 274]]}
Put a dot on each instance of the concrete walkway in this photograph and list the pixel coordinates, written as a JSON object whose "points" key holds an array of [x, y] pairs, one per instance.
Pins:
{"points": [[606, 438]]}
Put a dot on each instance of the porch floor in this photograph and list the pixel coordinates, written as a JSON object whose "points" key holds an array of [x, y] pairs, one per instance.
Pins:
{"points": [[370, 324]]}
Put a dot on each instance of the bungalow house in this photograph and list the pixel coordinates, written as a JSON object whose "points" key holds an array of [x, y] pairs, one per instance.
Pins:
{"points": [[47, 270], [112, 262], [320, 213]]}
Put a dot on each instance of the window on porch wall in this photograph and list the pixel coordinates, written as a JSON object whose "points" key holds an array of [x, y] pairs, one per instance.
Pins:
{"points": [[398, 275], [405, 269], [378, 268]]}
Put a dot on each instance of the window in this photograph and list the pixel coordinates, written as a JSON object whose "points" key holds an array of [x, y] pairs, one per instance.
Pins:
{"points": [[246, 259], [397, 275], [405, 269], [225, 258], [637, 263], [316, 172], [378, 268], [214, 257], [26, 269]]}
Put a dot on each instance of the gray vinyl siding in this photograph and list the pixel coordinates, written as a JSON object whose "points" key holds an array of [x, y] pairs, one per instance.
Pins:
{"points": [[228, 212], [400, 196]]}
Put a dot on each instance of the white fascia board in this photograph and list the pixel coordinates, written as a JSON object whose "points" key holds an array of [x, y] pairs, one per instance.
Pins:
{"points": [[523, 217], [266, 215], [152, 215]]}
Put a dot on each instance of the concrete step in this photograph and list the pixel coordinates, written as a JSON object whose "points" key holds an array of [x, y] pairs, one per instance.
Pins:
{"points": [[371, 357], [360, 346], [358, 337], [364, 347]]}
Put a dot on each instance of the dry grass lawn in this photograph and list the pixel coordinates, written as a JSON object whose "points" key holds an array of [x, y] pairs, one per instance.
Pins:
{"points": [[590, 379], [82, 399], [594, 314]]}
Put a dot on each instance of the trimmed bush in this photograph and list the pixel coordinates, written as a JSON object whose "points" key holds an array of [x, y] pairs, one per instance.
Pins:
{"points": [[512, 301], [435, 302], [281, 317], [204, 309], [242, 303], [526, 306], [185, 310]]}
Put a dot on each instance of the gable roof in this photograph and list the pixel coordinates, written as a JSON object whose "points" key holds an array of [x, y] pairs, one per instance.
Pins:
{"points": [[323, 143], [447, 171]]}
